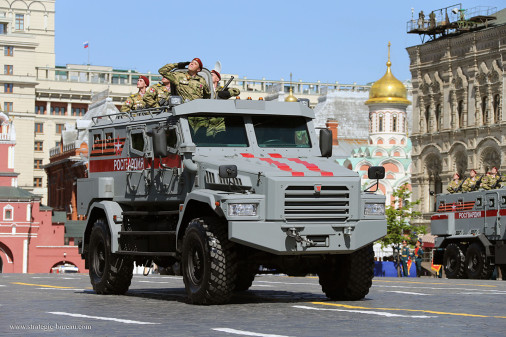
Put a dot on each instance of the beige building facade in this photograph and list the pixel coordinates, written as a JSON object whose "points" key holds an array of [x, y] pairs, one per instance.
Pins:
{"points": [[40, 96], [459, 83]]}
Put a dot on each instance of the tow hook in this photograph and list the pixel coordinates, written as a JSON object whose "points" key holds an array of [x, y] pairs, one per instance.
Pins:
{"points": [[294, 233]]}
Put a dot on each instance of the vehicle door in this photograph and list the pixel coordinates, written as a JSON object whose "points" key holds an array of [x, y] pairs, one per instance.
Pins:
{"points": [[492, 213]]}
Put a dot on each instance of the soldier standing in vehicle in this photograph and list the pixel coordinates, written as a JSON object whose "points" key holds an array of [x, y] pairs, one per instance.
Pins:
{"points": [[454, 185], [418, 257], [158, 94], [492, 180], [405, 254], [223, 94], [471, 183], [188, 84], [136, 102]]}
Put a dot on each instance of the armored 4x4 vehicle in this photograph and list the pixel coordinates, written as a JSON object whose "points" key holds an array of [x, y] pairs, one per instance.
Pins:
{"points": [[471, 238], [222, 187]]}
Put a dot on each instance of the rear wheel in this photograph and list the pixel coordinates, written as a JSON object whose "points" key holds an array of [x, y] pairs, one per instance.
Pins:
{"points": [[453, 262], [478, 266], [350, 276], [209, 262], [109, 273]]}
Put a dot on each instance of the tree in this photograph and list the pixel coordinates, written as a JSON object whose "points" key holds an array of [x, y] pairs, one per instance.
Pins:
{"points": [[399, 215]]}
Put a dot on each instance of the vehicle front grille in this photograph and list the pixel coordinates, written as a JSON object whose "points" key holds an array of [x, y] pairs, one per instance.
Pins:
{"points": [[304, 204]]}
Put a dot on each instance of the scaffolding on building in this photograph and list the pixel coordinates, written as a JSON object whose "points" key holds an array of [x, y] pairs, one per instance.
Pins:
{"points": [[450, 20]]}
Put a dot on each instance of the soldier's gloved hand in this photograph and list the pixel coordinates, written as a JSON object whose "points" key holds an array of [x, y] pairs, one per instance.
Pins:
{"points": [[224, 94], [182, 65]]}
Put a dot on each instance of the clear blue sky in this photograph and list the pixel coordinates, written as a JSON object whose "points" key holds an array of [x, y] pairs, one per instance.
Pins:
{"points": [[326, 40]]}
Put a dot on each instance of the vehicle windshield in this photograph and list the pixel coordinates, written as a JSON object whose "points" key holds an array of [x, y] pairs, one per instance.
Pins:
{"points": [[218, 131], [281, 131]]}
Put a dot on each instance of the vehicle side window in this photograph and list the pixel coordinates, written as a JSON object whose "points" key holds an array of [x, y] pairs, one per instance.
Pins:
{"points": [[479, 202], [503, 200], [491, 202], [171, 138], [138, 141]]}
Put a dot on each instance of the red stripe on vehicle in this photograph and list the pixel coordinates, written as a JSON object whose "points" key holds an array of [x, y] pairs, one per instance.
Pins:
{"points": [[247, 155], [439, 217], [311, 167], [282, 166], [275, 155]]}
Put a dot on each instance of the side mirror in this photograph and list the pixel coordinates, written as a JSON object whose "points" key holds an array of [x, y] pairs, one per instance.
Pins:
{"points": [[326, 142], [227, 171], [376, 172], [159, 142]]}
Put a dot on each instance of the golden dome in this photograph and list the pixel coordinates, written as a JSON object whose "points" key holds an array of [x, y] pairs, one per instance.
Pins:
{"points": [[291, 97], [388, 89]]}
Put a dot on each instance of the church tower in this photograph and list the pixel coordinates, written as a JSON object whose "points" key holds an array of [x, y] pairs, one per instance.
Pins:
{"points": [[387, 110]]}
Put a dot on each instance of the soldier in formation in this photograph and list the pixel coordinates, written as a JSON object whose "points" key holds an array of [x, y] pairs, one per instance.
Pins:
{"points": [[456, 184], [472, 183], [418, 257], [405, 254], [136, 102], [492, 180], [158, 94], [188, 84], [220, 92]]}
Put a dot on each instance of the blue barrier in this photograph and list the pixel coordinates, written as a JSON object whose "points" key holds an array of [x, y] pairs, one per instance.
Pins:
{"points": [[389, 269]]}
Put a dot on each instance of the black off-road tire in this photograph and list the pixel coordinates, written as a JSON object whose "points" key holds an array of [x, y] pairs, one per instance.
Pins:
{"points": [[245, 276], [109, 273], [503, 271], [477, 264], [348, 277], [209, 262], [454, 262]]}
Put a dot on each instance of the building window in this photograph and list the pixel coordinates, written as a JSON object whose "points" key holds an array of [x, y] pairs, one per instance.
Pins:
{"points": [[8, 106], [460, 114], [8, 212], [484, 110], [439, 118], [37, 182], [380, 124], [40, 109], [427, 118], [20, 22], [3, 28], [8, 87], [38, 145], [57, 144], [8, 69], [497, 108], [59, 128], [37, 164], [394, 124], [39, 128], [8, 50], [78, 111], [58, 111]]}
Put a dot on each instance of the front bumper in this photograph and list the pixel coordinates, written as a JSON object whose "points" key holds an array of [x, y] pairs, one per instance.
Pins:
{"points": [[327, 238]]}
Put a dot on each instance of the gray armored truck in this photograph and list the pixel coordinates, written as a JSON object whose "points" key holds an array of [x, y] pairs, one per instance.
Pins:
{"points": [[471, 238], [222, 187]]}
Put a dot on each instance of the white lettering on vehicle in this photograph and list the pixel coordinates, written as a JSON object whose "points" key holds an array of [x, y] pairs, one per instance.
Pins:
{"points": [[126, 164], [469, 215]]}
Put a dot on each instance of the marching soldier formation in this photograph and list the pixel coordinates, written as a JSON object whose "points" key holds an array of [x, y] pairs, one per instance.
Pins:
{"points": [[187, 84], [489, 181]]}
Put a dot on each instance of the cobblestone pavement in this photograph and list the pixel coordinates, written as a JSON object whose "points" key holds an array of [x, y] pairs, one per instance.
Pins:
{"points": [[64, 304]]}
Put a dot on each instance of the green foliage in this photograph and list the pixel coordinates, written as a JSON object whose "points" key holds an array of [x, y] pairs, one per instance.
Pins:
{"points": [[399, 214]]}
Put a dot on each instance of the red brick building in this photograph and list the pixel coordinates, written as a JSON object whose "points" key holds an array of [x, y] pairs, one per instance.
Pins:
{"points": [[33, 237]]}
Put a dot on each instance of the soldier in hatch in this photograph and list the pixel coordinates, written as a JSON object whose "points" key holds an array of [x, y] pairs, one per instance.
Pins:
{"points": [[492, 180], [455, 185], [136, 102], [223, 94], [188, 84], [158, 94], [472, 183]]}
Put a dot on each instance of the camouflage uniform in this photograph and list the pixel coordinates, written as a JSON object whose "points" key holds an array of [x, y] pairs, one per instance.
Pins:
{"points": [[212, 125], [491, 181], [134, 102], [453, 186], [188, 87], [229, 92], [469, 184], [155, 94]]}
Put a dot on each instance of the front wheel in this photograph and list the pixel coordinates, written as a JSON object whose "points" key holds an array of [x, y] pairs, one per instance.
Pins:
{"points": [[349, 277], [209, 262], [453, 262], [109, 273]]}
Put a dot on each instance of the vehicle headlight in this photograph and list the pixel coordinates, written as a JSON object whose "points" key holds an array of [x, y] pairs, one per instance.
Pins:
{"points": [[374, 209], [242, 209]]}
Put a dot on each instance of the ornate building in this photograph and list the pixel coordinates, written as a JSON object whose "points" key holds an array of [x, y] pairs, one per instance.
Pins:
{"points": [[389, 145], [458, 124]]}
